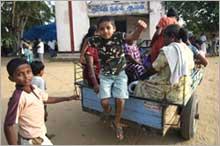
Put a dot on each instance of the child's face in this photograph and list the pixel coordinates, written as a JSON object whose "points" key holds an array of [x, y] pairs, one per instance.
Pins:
{"points": [[106, 29], [22, 75]]}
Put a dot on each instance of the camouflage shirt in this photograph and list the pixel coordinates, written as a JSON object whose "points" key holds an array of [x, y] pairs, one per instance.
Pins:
{"points": [[111, 53]]}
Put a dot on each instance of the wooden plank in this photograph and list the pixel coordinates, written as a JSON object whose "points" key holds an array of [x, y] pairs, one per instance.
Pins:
{"points": [[170, 116]]}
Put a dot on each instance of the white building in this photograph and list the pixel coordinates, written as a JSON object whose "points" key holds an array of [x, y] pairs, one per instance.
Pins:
{"points": [[73, 18]]}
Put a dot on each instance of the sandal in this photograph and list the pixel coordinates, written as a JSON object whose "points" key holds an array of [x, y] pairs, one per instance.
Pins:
{"points": [[119, 131], [105, 116]]}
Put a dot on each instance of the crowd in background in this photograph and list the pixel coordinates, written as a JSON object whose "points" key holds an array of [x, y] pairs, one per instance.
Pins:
{"points": [[35, 50]]}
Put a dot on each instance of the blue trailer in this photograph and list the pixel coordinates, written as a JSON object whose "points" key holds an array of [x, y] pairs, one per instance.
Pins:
{"points": [[160, 115]]}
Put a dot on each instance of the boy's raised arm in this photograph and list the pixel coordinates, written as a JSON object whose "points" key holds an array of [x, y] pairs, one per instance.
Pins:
{"points": [[10, 134], [141, 25]]}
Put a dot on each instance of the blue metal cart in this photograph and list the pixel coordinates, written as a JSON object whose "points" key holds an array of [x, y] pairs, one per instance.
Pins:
{"points": [[160, 115]]}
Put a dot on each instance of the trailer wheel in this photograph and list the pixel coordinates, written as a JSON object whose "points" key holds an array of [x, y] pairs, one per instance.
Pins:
{"points": [[189, 118]]}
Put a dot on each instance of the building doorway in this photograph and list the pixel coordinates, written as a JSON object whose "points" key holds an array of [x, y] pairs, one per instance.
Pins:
{"points": [[121, 25]]}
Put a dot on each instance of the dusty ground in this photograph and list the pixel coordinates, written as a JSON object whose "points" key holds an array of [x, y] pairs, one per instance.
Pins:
{"points": [[73, 126]]}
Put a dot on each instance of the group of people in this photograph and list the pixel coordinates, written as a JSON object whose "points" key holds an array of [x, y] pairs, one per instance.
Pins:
{"points": [[35, 50], [111, 60], [30, 50]]}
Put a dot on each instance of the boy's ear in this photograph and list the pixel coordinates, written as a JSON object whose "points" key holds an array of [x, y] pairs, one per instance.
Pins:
{"points": [[11, 78]]}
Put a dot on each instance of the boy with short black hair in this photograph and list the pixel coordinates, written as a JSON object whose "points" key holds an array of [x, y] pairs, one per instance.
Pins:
{"points": [[26, 107], [38, 71], [113, 79]]}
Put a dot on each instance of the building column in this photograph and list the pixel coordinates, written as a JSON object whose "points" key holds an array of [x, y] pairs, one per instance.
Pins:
{"points": [[156, 11], [71, 25]]}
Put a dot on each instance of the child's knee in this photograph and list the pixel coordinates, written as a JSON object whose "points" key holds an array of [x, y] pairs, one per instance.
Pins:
{"points": [[120, 101], [105, 101]]}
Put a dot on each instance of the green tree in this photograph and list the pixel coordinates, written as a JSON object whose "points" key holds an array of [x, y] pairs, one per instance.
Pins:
{"points": [[20, 15], [200, 16]]}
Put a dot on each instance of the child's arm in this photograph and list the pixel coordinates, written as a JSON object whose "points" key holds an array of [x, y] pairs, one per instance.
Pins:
{"points": [[200, 59], [52, 100], [89, 60], [141, 25], [10, 134]]}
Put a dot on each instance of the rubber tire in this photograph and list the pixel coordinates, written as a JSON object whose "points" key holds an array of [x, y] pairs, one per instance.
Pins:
{"points": [[188, 123]]}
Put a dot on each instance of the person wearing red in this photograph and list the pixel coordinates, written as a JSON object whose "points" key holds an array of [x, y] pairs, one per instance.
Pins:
{"points": [[92, 67], [158, 40], [90, 60]]}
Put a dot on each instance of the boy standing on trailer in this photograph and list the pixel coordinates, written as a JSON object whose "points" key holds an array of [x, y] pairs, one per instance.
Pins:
{"points": [[113, 79]]}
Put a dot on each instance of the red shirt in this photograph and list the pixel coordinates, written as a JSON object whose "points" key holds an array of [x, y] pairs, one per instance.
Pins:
{"points": [[86, 74], [159, 43]]}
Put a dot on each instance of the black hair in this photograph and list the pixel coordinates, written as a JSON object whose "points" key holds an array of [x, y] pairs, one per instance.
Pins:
{"points": [[172, 13], [176, 31], [90, 33], [183, 34], [14, 64], [106, 19], [37, 67]]}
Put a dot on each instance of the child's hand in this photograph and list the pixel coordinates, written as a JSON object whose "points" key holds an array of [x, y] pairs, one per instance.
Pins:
{"points": [[141, 24], [73, 97], [96, 89]]}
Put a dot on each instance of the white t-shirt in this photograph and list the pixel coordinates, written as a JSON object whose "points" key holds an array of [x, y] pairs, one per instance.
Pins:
{"points": [[41, 48], [51, 44], [39, 82]]}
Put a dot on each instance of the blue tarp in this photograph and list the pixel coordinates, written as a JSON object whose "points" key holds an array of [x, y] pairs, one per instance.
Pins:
{"points": [[45, 32]]}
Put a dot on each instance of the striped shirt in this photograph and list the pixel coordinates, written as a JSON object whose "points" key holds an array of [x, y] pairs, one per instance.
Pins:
{"points": [[134, 71]]}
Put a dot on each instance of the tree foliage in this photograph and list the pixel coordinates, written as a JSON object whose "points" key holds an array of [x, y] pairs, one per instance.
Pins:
{"points": [[20, 15], [200, 16]]}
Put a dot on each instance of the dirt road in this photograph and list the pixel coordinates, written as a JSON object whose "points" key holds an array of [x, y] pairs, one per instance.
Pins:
{"points": [[72, 126]]}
